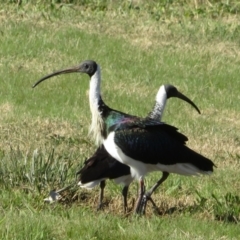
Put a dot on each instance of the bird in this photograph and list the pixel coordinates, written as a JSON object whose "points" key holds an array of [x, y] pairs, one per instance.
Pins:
{"points": [[101, 166], [144, 144]]}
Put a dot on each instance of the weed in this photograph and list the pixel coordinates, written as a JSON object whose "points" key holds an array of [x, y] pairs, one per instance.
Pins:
{"points": [[227, 208]]}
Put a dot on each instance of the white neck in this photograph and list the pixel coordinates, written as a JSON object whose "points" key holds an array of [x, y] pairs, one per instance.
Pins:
{"points": [[161, 100], [94, 97]]}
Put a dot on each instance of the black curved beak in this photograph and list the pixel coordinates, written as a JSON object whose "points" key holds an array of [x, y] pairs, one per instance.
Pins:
{"points": [[186, 99], [64, 71]]}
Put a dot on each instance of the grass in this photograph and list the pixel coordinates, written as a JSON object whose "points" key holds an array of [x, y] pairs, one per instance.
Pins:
{"points": [[139, 46]]}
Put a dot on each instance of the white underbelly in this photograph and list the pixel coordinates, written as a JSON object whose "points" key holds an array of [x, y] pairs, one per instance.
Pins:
{"points": [[124, 180]]}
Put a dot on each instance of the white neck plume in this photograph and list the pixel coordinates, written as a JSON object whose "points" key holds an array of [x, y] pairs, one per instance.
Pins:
{"points": [[94, 97]]}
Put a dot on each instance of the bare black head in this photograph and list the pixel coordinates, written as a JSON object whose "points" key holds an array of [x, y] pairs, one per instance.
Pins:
{"points": [[172, 91], [89, 67]]}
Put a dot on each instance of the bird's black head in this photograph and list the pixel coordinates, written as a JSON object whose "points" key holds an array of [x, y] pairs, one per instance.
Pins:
{"points": [[89, 67], [172, 91]]}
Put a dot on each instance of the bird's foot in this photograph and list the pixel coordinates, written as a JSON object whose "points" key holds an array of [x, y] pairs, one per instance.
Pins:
{"points": [[147, 197], [144, 204], [138, 207], [100, 207]]}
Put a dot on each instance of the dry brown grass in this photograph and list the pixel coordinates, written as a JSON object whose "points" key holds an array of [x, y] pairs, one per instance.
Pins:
{"points": [[6, 109], [29, 134], [167, 205]]}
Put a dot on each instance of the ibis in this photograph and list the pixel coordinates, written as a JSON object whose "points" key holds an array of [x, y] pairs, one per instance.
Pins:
{"points": [[144, 144], [102, 166]]}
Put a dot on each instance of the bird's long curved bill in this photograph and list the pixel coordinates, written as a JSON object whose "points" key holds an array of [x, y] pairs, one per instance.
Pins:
{"points": [[64, 71], [186, 99]]}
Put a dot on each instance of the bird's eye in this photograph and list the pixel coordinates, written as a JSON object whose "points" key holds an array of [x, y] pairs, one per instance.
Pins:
{"points": [[87, 66]]}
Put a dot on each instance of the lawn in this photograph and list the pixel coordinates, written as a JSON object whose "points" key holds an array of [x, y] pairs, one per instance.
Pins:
{"points": [[140, 46]]}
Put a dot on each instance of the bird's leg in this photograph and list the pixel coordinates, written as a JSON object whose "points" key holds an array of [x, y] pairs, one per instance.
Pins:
{"points": [[124, 193], [102, 186], [138, 206], [148, 194]]}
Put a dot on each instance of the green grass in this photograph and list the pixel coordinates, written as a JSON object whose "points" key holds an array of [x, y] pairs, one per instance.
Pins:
{"points": [[43, 138]]}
